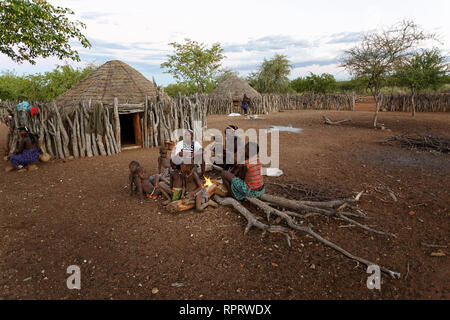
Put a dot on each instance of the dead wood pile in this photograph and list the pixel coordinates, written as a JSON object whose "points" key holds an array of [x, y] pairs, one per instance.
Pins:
{"points": [[421, 142]]}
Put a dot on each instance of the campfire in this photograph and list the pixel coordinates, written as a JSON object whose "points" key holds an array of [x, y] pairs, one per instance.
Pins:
{"points": [[208, 182]]}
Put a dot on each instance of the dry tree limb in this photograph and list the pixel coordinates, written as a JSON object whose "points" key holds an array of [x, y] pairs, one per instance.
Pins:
{"points": [[298, 205], [268, 209], [252, 220], [441, 144], [334, 123], [310, 206], [366, 227], [317, 204], [433, 246]]}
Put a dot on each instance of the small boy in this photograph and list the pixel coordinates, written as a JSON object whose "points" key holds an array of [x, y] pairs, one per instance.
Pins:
{"points": [[164, 168], [172, 187], [144, 186], [247, 180], [164, 163], [194, 190], [133, 166]]}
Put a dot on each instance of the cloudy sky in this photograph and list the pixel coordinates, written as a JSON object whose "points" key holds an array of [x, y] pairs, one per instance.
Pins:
{"points": [[313, 34]]}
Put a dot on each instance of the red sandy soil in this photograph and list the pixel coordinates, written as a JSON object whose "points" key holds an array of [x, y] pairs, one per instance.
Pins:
{"points": [[80, 213]]}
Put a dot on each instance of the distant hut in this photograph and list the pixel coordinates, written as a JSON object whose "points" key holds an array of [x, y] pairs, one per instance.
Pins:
{"points": [[115, 79], [234, 88]]}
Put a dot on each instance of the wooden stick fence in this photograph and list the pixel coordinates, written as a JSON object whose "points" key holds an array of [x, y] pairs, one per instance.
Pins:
{"points": [[434, 102], [276, 103], [92, 129]]}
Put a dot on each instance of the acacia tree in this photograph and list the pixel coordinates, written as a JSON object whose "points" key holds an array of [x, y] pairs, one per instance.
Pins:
{"points": [[324, 83], [34, 28], [225, 74], [380, 53], [272, 75], [194, 63], [423, 70]]}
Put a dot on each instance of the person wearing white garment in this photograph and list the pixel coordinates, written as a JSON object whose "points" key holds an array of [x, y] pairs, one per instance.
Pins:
{"points": [[189, 145]]}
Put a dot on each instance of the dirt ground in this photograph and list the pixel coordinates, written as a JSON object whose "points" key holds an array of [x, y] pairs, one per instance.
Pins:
{"points": [[80, 213]]}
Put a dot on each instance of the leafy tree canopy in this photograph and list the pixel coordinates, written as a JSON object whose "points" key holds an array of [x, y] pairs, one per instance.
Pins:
{"points": [[324, 83], [425, 69], [378, 54], [225, 74], [34, 28], [42, 86], [194, 63], [272, 75]]}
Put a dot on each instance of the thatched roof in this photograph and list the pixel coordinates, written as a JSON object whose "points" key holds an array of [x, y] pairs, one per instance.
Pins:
{"points": [[114, 79], [236, 87]]}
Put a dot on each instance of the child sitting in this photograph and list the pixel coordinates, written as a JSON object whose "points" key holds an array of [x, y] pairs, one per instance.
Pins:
{"points": [[249, 182], [144, 185], [164, 168], [171, 187], [193, 187]]}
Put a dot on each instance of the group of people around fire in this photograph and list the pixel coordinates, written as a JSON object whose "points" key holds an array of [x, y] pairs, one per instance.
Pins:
{"points": [[178, 176]]}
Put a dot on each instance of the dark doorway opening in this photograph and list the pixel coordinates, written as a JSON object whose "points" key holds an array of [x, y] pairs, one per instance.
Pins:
{"points": [[127, 135]]}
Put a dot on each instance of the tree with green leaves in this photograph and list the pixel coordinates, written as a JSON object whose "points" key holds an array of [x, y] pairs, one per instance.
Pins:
{"points": [[425, 69], [34, 28], [180, 88], [357, 85], [378, 55], [194, 63], [272, 75], [324, 83], [42, 87], [225, 74]]}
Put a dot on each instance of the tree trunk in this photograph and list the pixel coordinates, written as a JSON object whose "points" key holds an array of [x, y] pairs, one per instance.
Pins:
{"points": [[413, 103], [377, 109]]}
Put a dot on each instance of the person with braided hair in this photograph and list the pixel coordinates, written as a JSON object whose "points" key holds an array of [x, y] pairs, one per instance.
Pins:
{"points": [[28, 151]]}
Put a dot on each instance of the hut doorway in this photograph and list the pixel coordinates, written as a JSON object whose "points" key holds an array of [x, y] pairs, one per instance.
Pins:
{"points": [[130, 130]]}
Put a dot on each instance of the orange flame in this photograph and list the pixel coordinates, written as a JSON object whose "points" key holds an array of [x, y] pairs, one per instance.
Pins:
{"points": [[207, 182]]}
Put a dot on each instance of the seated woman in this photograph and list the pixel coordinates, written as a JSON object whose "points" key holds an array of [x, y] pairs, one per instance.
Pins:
{"points": [[28, 151]]}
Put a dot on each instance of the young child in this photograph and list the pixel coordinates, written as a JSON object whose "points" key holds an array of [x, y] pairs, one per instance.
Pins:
{"points": [[144, 185], [247, 179], [164, 164], [133, 166], [194, 190], [171, 187]]}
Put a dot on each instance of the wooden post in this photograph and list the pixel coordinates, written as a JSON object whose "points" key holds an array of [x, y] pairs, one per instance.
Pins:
{"points": [[137, 129], [145, 123], [353, 101], [117, 124]]}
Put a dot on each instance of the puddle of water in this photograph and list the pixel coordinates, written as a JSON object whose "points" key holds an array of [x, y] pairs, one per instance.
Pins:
{"points": [[285, 129]]}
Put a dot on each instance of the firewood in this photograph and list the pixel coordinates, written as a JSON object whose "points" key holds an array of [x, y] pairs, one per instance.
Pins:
{"points": [[334, 123], [252, 221], [308, 230], [183, 205]]}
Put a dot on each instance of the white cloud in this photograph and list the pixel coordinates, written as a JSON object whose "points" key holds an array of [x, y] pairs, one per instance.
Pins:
{"points": [[312, 34]]}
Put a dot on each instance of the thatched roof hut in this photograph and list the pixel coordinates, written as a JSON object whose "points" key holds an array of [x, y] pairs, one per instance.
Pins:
{"points": [[114, 79], [236, 88]]}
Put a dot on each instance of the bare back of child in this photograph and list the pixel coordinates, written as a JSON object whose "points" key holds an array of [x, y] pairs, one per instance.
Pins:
{"points": [[194, 190]]}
